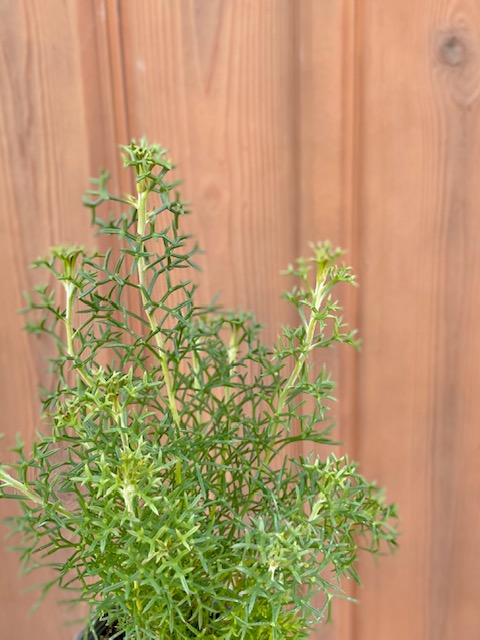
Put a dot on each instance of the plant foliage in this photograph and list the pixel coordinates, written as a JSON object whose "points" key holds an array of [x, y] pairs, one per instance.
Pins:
{"points": [[164, 494]]}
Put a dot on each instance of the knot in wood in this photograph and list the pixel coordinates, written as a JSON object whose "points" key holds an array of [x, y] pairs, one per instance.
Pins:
{"points": [[453, 50]]}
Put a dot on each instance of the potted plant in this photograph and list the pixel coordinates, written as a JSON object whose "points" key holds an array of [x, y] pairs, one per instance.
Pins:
{"points": [[163, 493]]}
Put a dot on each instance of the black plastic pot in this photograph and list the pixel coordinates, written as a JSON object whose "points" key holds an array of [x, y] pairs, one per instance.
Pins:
{"points": [[101, 630]]}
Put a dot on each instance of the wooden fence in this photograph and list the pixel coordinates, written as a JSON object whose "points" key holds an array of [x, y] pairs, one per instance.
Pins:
{"points": [[291, 120]]}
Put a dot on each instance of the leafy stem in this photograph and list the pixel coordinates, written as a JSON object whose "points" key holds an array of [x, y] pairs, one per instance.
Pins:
{"points": [[22, 488], [307, 344], [70, 289], [143, 192]]}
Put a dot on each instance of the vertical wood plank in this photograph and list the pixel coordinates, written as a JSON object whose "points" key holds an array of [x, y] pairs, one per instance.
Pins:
{"points": [[38, 179], [54, 130], [212, 81], [420, 313], [329, 145]]}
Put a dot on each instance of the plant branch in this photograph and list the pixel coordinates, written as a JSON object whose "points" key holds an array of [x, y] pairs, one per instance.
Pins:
{"points": [[70, 289], [8, 481], [307, 345], [142, 217]]}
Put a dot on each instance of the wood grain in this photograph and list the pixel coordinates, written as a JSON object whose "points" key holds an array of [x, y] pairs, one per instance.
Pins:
{"points": [[328, 109], [215, 88], [53, 136], [419, 312]]}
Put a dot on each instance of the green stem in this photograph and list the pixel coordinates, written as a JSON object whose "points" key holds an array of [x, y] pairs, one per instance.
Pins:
{"points": [[196, 379], [70, 299], [232, 354], [142, 219], [69, 290], [306, 347], [7, 481]]}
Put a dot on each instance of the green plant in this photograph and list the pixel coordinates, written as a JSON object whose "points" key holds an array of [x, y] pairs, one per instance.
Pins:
{"points": [[163, 494]]}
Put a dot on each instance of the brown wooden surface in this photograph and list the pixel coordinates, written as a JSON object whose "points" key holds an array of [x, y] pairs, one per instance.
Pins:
{"points": [[292, 120]]}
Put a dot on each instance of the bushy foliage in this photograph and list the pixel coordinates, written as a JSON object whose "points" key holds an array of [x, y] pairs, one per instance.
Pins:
{"points": [[165, 480]]}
